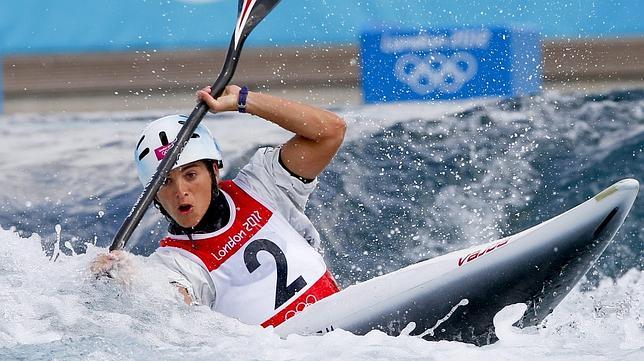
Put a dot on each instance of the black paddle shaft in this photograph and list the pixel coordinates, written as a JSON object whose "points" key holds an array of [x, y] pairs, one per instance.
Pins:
{"points": [[250, 13]]}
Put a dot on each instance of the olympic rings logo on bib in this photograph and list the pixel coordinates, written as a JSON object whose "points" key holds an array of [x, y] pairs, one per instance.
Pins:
{"points": [[436, 72], [310, 299]]}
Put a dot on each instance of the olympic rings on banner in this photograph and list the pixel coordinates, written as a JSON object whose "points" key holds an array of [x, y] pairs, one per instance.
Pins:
{"points": [[447, 74]]}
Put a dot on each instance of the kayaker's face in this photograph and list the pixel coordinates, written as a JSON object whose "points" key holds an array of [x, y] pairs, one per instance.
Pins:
{"points": [[186, 193]]}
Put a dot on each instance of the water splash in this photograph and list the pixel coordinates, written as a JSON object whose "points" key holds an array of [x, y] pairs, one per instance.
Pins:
{"points": [[463, 302], [56, 253]]}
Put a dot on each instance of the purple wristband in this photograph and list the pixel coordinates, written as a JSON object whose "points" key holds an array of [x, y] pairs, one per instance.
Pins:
{"points": [[241, 101]]}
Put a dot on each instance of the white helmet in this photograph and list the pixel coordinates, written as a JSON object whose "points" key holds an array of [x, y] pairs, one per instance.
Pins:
{"points": [[155, 143]]}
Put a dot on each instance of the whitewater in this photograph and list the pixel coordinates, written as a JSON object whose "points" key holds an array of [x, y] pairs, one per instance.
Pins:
{"points": [[411, 182]]}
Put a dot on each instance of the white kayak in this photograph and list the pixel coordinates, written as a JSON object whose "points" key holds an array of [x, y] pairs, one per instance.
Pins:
{"points": [[455, 296]]}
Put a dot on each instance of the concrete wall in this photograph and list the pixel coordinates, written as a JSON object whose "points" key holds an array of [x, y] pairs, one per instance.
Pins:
{"points": [[338, 66]]}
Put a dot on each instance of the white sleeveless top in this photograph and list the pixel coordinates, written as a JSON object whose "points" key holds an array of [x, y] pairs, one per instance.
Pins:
{"points": [[258, 268]]}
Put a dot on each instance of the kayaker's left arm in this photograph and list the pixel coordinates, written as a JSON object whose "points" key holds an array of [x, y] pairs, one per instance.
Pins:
{"points": [[318, 132]]}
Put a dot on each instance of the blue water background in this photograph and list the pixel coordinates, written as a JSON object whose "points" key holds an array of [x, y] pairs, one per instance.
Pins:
{"points": [[425, 186]]}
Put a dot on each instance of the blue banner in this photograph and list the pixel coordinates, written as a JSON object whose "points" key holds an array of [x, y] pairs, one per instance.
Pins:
{"points": [[451, 63]]}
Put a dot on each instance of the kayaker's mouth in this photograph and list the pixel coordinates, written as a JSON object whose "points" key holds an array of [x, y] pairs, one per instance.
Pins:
{"points": [[184, 208]]}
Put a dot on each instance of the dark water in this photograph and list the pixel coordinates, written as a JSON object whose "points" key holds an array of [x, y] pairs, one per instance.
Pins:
{"points": [[402, 193], [425, 186]]}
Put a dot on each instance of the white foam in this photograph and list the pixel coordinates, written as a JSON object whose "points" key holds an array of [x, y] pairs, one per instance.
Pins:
{"points": [[59, 306]]}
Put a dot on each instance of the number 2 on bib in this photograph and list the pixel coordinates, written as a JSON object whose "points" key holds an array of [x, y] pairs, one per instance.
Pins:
{"points": [[283, 292]]}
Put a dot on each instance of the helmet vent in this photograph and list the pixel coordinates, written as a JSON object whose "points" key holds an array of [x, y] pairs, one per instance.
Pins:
{"points": [[144, 153], [195, 135], [140, 141], [182, 122], [163, 138]]}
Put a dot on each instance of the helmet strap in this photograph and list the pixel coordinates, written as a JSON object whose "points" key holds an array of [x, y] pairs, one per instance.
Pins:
{"points": [[210, 164]]}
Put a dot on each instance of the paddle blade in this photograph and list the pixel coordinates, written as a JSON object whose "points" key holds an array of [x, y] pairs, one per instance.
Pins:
{"points": [[249, 14]]}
